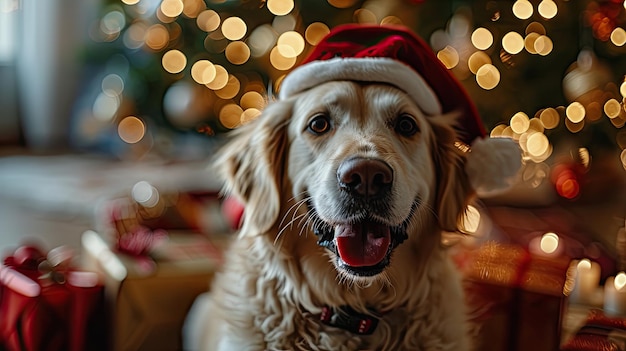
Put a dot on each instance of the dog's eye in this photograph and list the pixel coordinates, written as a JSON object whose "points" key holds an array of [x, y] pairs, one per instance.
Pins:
{"points": [[406, 125], [320, 124]]}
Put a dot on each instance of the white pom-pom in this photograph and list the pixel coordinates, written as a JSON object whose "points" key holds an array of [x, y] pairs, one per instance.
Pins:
{"points": [[492, 165]]}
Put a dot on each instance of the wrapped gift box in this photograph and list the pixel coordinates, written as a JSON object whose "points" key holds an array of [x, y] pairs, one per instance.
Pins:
{"points": [[517, 299], [46, 303], [149, 296]]}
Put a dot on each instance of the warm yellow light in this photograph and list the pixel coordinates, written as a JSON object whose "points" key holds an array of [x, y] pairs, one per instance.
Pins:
{"points": [[584, 264], [612, 108], [130, 2], [512, 42], [230, 116], [488, 76], [550, 118], [174, 61], [234, 28], [315, 32], [522, 9], [365, 16], [131, 129], [497, 131], [342, 4], [157, 37], [547, 9], [192, 8], [230, 90], [249, 115], [220, 80], [622, 89], [519, 122], [252, 99], [208, 20], [391, 20], [281, 62], [105, 107], [471, 220], [172, 8], [618, 36], [543, 45], [280, 7], [237, 52], [537, 144], [482, 38], [620, 281], [203, 71], [575, 112], [449, 57], [290, 44], [549, 243], [529, 42], [477, 60], [622, 157], [535, 27]]}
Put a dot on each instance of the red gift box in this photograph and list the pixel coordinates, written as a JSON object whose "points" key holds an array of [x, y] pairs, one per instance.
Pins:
{"points": [[47, 305], [517, 298]]}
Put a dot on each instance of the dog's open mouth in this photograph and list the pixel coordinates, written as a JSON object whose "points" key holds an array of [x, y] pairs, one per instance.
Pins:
{"points": [[362, 248]]}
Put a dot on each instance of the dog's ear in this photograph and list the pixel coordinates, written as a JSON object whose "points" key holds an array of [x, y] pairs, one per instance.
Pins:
{"points": [[252, 165], [454, 191]]}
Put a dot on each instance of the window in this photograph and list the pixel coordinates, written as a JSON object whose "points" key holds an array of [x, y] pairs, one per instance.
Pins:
{"points": [[8, 14]]}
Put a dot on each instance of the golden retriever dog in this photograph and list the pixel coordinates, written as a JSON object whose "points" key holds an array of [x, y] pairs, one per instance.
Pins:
{"points": [[347, 187]]}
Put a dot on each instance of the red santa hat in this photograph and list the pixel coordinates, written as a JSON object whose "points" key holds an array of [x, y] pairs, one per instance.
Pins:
{"points": [[394, 55]]}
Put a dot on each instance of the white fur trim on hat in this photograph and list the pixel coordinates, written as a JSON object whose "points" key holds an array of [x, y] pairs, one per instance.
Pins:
{"points": [[365, 69], [492, 164]]}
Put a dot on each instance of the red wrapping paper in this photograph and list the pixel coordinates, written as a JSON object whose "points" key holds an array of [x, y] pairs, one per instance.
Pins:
{"points": [[42, 313]]}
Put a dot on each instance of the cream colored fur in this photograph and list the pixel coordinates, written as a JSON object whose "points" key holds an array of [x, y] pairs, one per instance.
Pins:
{"points": [[276, 278]]}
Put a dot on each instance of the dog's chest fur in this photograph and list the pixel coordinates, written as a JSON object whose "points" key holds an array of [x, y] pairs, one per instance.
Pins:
{"points": [[273, 303]]}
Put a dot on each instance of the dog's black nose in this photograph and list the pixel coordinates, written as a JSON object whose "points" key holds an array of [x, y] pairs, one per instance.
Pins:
{"points": [[365, 177]]}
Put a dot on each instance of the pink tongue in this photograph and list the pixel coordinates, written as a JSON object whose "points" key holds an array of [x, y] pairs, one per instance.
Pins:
{"points": [[362, 244]]}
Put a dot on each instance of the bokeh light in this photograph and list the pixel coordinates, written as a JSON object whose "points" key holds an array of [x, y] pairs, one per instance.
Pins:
{"points": [[549, 243], [512, 42], [249, 115], [342, 4], [477, 60], [280, 7], [261, 40], [208, 20], [550, 118], [252, 99], [537, 144], [230, 116], [618, 36], [230, 90], [543, 45], [575, 112], [281, 62], [449, 57], [365, 16], [547, 9], [157, 37], [519, 122], [290, 44], [237, 52], [172, 8], [470, 221], [482, 38], [174, 61], [315, 32], [522, 9], [488, 76], [203, 71], [234, 28], [612, 108], [220, 80], [131, 129]]}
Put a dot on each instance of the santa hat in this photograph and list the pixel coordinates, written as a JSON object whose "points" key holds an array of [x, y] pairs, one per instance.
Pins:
{"points": [[394, 55]]}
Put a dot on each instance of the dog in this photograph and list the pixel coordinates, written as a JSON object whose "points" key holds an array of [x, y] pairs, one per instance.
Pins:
{"points": [[348, 182]]}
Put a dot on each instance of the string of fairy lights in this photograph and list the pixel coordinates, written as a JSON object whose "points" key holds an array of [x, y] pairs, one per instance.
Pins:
{"points": [[234, 41]]}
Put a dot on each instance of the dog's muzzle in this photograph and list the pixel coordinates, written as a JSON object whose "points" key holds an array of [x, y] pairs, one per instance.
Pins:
{"points": [[363, 244]]}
